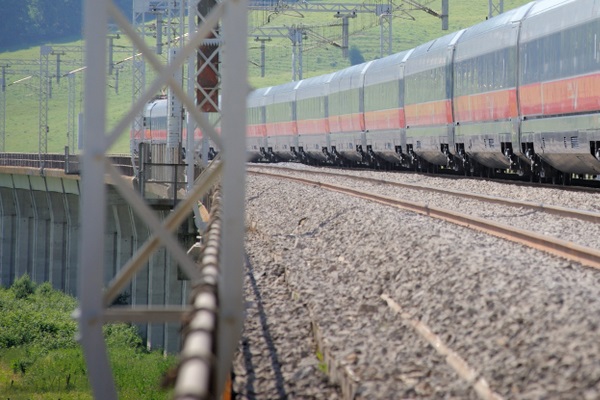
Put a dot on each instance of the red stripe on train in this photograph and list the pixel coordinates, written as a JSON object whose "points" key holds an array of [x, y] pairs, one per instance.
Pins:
{"points": [[565, 96], [488, 106]]}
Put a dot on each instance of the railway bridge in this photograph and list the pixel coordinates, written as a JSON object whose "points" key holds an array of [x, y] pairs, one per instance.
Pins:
{"points": [[40, 231]]}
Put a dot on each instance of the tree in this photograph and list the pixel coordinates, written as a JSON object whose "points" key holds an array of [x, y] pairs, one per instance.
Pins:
{"points": [[355, 56], [13, 29]]}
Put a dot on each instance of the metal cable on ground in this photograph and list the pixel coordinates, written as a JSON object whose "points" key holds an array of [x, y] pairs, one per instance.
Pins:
{"points": [[194, 373]]}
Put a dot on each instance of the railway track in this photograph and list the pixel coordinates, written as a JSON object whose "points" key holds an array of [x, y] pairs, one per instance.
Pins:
{"points": [[562, 248], [381, 286]]}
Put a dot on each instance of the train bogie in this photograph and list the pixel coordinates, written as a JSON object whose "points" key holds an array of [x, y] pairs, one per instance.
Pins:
{"points": [[433, 144], [488, 144], [388, 145], [566, 143]]}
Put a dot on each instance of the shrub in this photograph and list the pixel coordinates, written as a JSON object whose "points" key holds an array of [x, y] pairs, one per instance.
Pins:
{"points": [[23, 287], [44, 289], [122, 335]]}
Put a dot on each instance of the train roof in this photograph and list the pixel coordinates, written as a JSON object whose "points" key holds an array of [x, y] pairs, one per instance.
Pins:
{"points": [[431, 55], [394, 59], [315, 86], [546, 5], [283, 93], [350, 71], [492, 35], [256, 98], [284, 87], [348, 78], [500, 21], [550, 16], [386, 69], [441, 43]]}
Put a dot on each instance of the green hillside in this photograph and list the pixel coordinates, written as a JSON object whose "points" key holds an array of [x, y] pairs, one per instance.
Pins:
{"points": [[409, 29]]}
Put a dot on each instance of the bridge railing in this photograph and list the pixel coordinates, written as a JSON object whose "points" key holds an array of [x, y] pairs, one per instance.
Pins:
{"points": [[69, 163]]}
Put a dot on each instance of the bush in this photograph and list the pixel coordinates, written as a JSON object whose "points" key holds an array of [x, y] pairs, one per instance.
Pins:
{"points": [[37, 344], [44, 289], [122, 335], [23, 287]]}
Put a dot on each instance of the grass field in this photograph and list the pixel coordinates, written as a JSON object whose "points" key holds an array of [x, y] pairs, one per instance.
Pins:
{"points": [[22, 104]]}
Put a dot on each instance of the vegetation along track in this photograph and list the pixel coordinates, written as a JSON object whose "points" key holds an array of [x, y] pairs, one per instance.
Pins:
{"points": [[533, 236]]}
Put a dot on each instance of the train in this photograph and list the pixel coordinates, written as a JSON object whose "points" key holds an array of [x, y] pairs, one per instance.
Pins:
{"points": [[519, 93]]}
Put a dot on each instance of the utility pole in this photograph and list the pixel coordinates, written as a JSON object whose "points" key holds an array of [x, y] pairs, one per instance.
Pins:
{"points": [[296, 36], [262, 54], [385, 29], [57, 54], [111, 46], [345, 30]]}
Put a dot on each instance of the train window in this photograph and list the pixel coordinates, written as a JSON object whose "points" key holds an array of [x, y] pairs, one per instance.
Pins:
{"points": [[418, 144]]}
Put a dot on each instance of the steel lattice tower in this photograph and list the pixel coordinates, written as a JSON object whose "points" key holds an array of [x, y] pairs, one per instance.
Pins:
{"points": [[93, 309]]}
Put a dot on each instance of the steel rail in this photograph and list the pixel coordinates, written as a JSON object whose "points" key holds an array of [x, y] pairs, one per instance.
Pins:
{"points": [[570, 251], [466, 372], [588, 216]]}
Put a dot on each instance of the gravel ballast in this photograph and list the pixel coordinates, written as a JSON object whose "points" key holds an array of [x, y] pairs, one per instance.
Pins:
{"points": [[525, 322]]}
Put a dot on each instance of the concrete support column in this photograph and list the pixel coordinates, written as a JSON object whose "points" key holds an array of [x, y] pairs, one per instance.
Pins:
{"points": [[141, 282], [58, 234], [70, 190], [156, 292], [25, 226], [8, 228], [41, 233]]}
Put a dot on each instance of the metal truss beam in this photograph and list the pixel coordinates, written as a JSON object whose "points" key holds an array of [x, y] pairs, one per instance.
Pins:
{"points": [[92, 312], [495, 7], [385, 34]]}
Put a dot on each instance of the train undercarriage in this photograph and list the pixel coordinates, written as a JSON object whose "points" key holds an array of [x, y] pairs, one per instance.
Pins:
{"points": [[526, 166]]}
